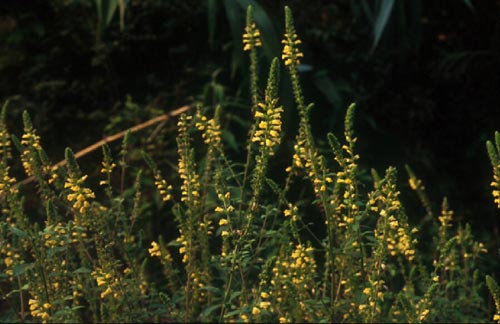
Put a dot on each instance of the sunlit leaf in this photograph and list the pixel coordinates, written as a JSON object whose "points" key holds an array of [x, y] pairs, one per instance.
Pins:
{"points": [[381, 20]]}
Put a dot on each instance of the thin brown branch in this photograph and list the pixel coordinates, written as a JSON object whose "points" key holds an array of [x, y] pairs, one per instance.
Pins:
{"points": [[114, 137]]}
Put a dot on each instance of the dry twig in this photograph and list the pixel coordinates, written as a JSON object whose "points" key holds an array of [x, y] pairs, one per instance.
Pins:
{"points": [[114, 137]]}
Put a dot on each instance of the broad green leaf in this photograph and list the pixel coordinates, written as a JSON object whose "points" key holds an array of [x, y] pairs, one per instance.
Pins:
{"points": [[109, 10], [229, 138], [328, 88], [209, 310], [21, 268], [381, 20], [235, 17], [468, 3]]}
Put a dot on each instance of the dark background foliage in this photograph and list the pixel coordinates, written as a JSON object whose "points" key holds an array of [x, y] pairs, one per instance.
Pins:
{"points": [[425, 77]]}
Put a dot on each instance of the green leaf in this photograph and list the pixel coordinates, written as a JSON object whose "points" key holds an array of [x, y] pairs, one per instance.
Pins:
{"points": [[229, 138], [82, 270], [16, 231], [235, 18], [468, 3], [327, 88], [22, 268], [209, 310], [234, 295], [381, 21], [165, 299]]}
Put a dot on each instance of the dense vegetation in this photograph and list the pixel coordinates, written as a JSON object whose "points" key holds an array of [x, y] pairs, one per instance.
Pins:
{"points": [[248, 203]]}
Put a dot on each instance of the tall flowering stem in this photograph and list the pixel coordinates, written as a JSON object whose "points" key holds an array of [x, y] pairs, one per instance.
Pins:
{"points": [[189, 220], [493, 151], [251, 40], [268, 120], [79, 196], [34, 158], [495, 291], [10, 202], [306, 155]]}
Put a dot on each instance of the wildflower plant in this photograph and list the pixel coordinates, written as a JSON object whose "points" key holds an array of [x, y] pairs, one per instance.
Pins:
{"points": [[241, 246]]}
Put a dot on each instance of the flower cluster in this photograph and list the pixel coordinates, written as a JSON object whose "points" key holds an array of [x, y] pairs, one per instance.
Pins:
{"points": [[107, 168], [79, 195], [55, 235], [190, 188], [210, 127], [162, 254], [292, 283], [393, 228], [162, 186], [4, 141], [38, 310], [105, 280], [493, 151], [291, 53], [495, 184], [251, 37], [30, 140], [292, 212], [226, 210], [268, 118], [445, 221], [307, 158], [154, 251], [191, 184], [7, 182], [11, 258], [184, 248]]}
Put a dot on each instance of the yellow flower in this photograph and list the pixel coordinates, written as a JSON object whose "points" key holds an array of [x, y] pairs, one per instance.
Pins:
{"points": [[423, 315], [255, 311], [107, 292], [80, 195], [251, 38], [268, 118], [291, 54], [154, 250]]}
